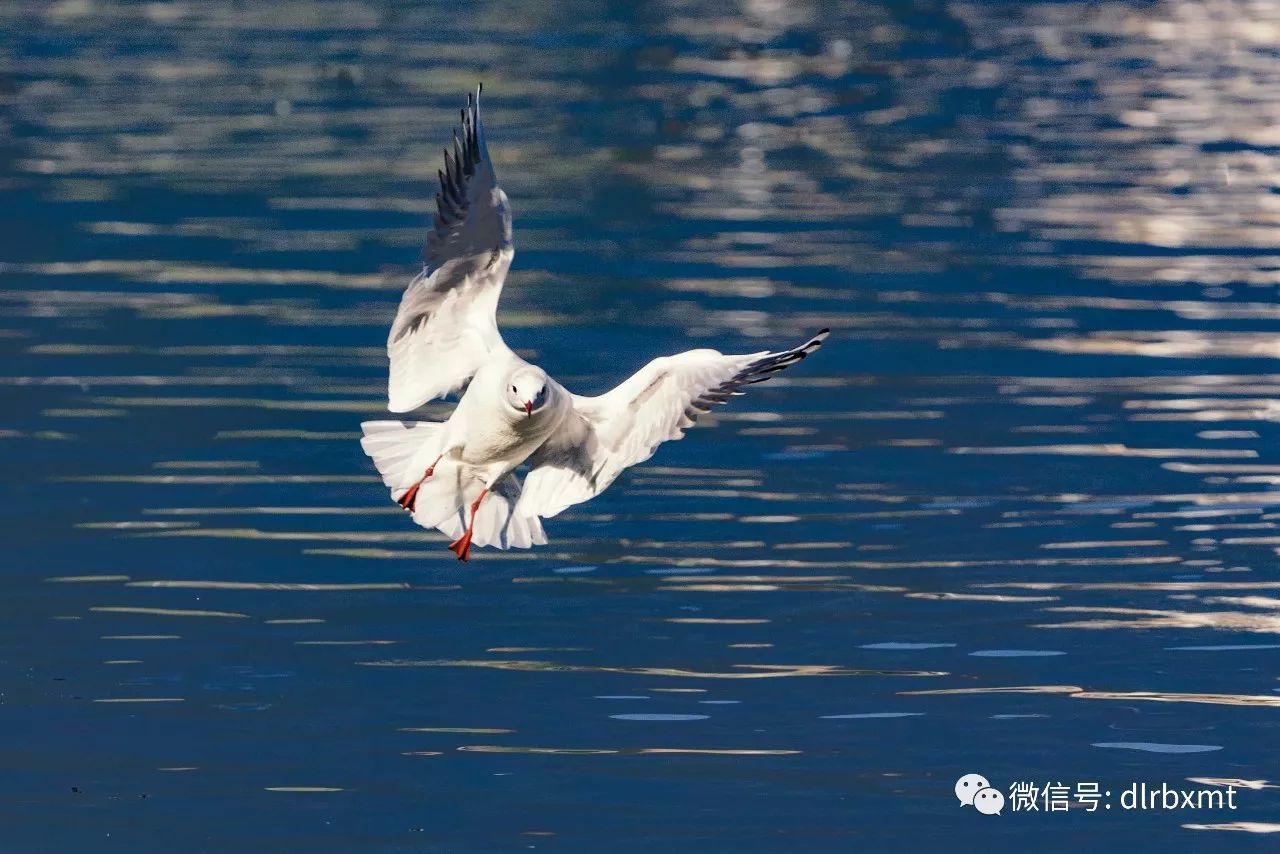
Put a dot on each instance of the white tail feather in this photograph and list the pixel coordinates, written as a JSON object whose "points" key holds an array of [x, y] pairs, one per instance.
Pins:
{"points": [[397, 447], [402, 450], [497, 524]]}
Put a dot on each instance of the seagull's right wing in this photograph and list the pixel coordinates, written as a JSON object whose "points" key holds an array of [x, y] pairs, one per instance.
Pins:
{"points": [[606, 434], [446, 327]]}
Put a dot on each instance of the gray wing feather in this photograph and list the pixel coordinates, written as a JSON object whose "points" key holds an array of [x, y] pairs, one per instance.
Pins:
{"points": [[604, 435], [446, 326]]}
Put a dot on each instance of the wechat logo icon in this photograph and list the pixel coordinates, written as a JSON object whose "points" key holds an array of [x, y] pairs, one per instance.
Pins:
{"points": [[974, 790]]}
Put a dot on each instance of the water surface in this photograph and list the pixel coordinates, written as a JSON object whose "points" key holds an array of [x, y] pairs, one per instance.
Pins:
{"points": [[1018, 518]]}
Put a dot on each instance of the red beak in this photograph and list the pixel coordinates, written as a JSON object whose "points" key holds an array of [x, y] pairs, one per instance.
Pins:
{"points": [[528, 407]]}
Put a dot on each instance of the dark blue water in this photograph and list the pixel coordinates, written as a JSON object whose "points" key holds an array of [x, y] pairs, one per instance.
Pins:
{"points": [[1018, 518]]}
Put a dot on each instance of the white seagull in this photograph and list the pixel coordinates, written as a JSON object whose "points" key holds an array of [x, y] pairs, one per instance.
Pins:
{"points": [[458, 476]]}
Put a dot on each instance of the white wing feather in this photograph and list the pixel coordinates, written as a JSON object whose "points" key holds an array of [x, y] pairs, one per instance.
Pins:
{"points": [[606, 434], [446, 326]]}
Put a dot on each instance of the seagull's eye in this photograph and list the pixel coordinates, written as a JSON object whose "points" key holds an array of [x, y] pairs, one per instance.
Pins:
{"points": [[513, 388]]}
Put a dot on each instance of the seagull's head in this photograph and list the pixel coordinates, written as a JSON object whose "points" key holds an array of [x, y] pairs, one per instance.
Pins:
{"points": [[527, 389]]}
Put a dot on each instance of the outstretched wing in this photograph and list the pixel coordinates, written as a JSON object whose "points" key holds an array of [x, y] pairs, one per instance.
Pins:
{"points": [[606, 434], [446, 327]]}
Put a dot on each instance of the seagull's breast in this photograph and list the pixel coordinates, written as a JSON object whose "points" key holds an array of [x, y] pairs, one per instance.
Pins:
{"points": [[497, 442], [509, 437]]}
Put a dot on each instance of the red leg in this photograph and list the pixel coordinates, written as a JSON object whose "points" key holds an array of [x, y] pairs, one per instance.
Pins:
{"points": [[409, 500], [462, 546]]}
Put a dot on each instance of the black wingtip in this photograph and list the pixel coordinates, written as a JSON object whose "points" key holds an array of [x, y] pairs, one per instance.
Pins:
{"points": [[816, 341]]}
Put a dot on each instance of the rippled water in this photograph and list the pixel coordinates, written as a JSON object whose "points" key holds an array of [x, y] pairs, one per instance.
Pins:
{"points": [[1017, 518]]}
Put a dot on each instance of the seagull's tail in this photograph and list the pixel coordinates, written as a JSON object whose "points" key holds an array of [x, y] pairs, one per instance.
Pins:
{"points": [[398, 449], [497, 522], [402, 451]]}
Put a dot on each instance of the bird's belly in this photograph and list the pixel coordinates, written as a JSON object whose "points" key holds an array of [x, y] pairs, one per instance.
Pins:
{"points": [[489, 447]]}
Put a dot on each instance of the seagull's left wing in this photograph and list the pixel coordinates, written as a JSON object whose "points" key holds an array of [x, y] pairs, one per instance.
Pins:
{"points": [[606, 434], [446, 327]]}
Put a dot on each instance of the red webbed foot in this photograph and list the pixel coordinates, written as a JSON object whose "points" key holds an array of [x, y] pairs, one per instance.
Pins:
{"points": [[462, 547], [409, 500]]}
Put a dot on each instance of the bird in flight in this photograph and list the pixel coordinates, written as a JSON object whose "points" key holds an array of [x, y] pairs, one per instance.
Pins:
{"points": [[459, 476]]}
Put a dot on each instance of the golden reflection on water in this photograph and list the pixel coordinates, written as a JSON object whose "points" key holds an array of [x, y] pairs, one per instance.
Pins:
{"points": [[678, 690], [1139, 618], [747, 671], [1010, 689], [751, 587], [135, 526], [1109, 451], [303, 435], [457, 729], [1158, 586], [626, 751], [258, 534], [187, 479], [166, 612], [1077, 692], [277, 585], [979, 597], [1156, 697], [1104, 544], [269, 511], [345, 643], [1241, 826], [84, 413], [140, 700], [889, 565], [508, 649], [719, 621]]}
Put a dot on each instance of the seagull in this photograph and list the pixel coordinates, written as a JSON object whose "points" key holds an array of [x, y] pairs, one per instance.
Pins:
{"points": [[458, 476]]}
